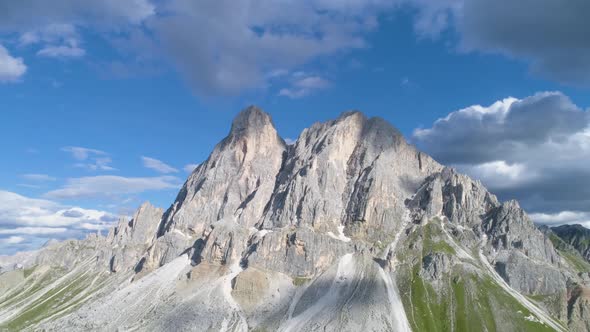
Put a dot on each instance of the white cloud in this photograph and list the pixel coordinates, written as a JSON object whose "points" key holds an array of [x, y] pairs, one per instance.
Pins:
{"points": [[190, 167], [293, 93], [290, 141], [12, 240], [563, 217], [98, 164], [534, 149], [17, 210], [499, 173], [38, 177], [33, 230], [90, 159], [56, 40], [304, 85], [65, 51], [81, 153], [111, 186], [157, 165], [276, 73], [11, 68], [312, 82], [28, 222]]}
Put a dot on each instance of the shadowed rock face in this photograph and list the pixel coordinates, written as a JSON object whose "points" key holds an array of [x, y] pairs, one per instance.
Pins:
{"points": [[351, 228]]}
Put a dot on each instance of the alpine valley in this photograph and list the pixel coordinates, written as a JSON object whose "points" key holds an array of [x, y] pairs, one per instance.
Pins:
{"points": [[350, 228]]}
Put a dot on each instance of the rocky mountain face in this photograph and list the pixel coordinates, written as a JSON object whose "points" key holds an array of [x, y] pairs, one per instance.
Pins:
{"points": [[349, 229], [576, 236]]}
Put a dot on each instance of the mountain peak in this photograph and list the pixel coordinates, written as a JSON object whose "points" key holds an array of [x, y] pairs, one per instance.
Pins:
{"points": [[250, 118], [351, 212]]}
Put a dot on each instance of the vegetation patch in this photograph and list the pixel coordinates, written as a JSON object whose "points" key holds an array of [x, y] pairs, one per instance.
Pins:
{"points": [[571, 255], [461, 300], [56, 301], [29, 271], [432, 243], [300, 281]]}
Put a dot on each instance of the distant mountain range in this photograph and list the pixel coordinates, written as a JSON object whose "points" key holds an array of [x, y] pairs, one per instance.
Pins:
{"points": [[348, 229]]}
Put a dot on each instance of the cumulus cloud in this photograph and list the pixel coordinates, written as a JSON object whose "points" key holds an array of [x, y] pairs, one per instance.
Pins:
{"points": [[507, 127], [111, 186], [534, 149], [11, 68], [190, 167], [499, 173], [157, 165], [26, 222], [90, 159]]}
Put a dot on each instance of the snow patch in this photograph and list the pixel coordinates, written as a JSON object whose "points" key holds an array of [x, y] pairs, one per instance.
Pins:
{"points": [[532, 318], [340, 236]]}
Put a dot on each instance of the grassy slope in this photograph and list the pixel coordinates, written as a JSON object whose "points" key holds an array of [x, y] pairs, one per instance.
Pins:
{"points": [[571, 255], [462, 301], [57, 301]]}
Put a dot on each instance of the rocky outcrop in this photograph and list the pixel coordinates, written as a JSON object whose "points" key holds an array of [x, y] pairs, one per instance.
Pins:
{"points": [[529, 277], [435, 265], [509, 228], [296, 252], [505, 233], [130, 239], [579, 308], [455, 196]]}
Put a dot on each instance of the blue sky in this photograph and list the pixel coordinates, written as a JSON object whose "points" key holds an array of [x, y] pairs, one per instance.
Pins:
{"points": [[105, 104]]}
